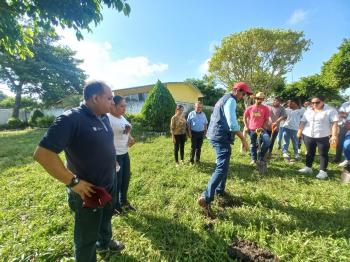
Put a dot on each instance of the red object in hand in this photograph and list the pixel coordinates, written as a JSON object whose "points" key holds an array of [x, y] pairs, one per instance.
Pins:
{"points": [[98, 199]]}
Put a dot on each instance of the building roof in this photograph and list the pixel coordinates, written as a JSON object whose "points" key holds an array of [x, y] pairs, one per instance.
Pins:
{"points": [[147, 88]]}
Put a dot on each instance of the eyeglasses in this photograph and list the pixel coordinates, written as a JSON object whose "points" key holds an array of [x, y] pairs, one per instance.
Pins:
{"points": [[316, 102]]}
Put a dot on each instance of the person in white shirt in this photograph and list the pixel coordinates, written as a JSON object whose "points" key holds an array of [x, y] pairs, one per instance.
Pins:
{"points": [[122, 141], [290, 128], [317, 125]]}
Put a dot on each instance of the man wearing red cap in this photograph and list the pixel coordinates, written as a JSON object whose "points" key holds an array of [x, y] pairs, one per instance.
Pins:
{"points": [[222, 129]]}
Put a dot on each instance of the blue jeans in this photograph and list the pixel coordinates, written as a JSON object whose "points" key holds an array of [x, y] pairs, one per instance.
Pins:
{"points": [[218, 179], [264, 143], [280, 137], [122, 180], [347, 147], [289, 134]]}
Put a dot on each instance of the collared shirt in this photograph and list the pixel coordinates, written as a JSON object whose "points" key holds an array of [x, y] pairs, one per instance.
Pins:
{"points": [[230, 114], [178, 125], [275, 114], [344, 108], [319, 124], [257, 116], [121, 129], [197, 121], [293, 118], [87, 141]]}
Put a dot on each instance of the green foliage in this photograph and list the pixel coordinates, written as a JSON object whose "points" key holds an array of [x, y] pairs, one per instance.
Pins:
{"points": [[158, 108], [295, 216], [336, 71], [14, 123], [261, 57], [50, 74], [20, 21], [71, 101], [34, 117], [307, 87], [26, 102], [207, 86], [2, 96], [45, 121]]}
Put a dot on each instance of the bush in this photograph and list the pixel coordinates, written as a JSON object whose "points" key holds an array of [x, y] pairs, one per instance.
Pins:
{"points": [[14, 123], [158, 108], [45, 121], [34, 117]]}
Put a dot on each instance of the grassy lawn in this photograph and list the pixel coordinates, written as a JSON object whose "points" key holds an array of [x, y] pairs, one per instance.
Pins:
{"points": [[297, 217]]}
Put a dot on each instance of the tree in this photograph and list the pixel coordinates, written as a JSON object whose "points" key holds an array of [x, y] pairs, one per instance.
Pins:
{"points": [[207, 86], [26, 102], [336, 71], [2, 95], [21, 20], [50, 74], [260, 57], [158, 108], [307, 87]]}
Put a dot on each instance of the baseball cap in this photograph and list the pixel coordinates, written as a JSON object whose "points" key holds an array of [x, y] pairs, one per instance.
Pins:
{"points": [[241, 86]]}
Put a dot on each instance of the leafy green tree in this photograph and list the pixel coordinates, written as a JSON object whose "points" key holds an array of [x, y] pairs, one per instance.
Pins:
{"points": [[261, 57], [307, 87], [336, 71], [207, 86], [50, 74], [158, 108], [26, 102], [21, 20]]}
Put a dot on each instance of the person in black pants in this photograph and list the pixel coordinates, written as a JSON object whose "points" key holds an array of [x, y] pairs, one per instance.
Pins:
{"points": [[178, 128], [319, 127], [197, 127]]}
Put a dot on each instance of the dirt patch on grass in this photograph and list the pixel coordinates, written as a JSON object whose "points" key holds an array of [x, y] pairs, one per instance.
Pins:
{"points": [[229, 201], [247, 251]]}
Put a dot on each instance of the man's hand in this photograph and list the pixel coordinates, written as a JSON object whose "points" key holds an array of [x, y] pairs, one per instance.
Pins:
{"points": [[245, 146], [174, 141], [300, 133], [273, 126], [333, 140], [84, 189], [131, 141]]}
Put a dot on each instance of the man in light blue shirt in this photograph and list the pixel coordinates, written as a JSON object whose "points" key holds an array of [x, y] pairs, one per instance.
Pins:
{"points": [[197, 128]]}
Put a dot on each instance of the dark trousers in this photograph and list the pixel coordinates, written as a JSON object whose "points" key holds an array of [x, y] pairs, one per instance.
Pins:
{"points": [[196, 145], [341, 139], [92, 227], [179, 144], [122, 180], [323, 147], [273, 137]]}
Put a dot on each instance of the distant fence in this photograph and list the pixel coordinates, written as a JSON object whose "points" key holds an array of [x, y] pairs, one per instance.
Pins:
{"points": [[24, 115]]}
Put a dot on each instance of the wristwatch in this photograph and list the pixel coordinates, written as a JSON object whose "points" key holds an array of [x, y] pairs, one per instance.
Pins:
{"points": [[75, 180]]}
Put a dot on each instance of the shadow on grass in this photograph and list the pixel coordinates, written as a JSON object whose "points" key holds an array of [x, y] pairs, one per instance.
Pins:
{"points": [[176, 241], [335, 224]]}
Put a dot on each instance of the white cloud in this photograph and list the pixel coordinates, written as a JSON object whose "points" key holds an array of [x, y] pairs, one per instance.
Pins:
{"points": [[100, 64], [297, 17], [203, 68]]}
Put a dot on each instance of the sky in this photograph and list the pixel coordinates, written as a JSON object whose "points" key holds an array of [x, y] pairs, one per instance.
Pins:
{"points": [[173, 40]]}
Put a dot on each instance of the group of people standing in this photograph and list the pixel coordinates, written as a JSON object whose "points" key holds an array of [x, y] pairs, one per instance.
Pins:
{"points": [[96, 137]]}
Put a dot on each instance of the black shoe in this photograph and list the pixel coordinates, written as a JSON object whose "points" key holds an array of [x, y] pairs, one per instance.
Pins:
{"points": [[115, 246], [129, 207], [117, 212]]}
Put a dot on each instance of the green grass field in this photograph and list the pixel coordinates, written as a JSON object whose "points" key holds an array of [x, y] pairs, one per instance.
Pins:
{"points": [[297, 217]]}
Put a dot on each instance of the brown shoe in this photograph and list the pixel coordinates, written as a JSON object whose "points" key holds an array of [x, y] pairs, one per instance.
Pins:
{"points": [[205, 206]]}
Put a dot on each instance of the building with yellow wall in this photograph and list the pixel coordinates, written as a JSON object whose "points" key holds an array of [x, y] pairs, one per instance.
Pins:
{"points": [[182, 92]]}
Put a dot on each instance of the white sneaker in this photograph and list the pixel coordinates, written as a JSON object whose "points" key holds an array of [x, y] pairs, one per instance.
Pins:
{"points": [[322, 175], [305, 170], [344, 163], [286, 156], [299, 151], [297, 157]]}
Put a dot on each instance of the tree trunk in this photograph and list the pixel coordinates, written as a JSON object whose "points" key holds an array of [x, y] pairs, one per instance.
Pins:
{"points": [[18, 99]]}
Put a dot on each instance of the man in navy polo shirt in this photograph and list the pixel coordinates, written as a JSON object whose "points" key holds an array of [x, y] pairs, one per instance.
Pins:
{"points": [[222, 129], [85, 136], [197, 127]]}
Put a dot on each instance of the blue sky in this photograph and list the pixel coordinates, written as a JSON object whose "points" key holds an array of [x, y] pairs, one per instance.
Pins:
{"points": [[172, 40]]}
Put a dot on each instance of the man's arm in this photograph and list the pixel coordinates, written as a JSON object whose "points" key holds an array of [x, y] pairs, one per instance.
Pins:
{"points": [[53, 164]]}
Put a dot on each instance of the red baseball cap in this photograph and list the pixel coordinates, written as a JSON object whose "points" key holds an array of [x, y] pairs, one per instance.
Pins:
{"points": [[241, 86]]}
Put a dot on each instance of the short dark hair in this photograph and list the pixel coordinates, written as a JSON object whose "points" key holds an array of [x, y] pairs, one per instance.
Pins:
{"points": [[319, 97], [117, 99], [94, 88], [278, 98]]}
